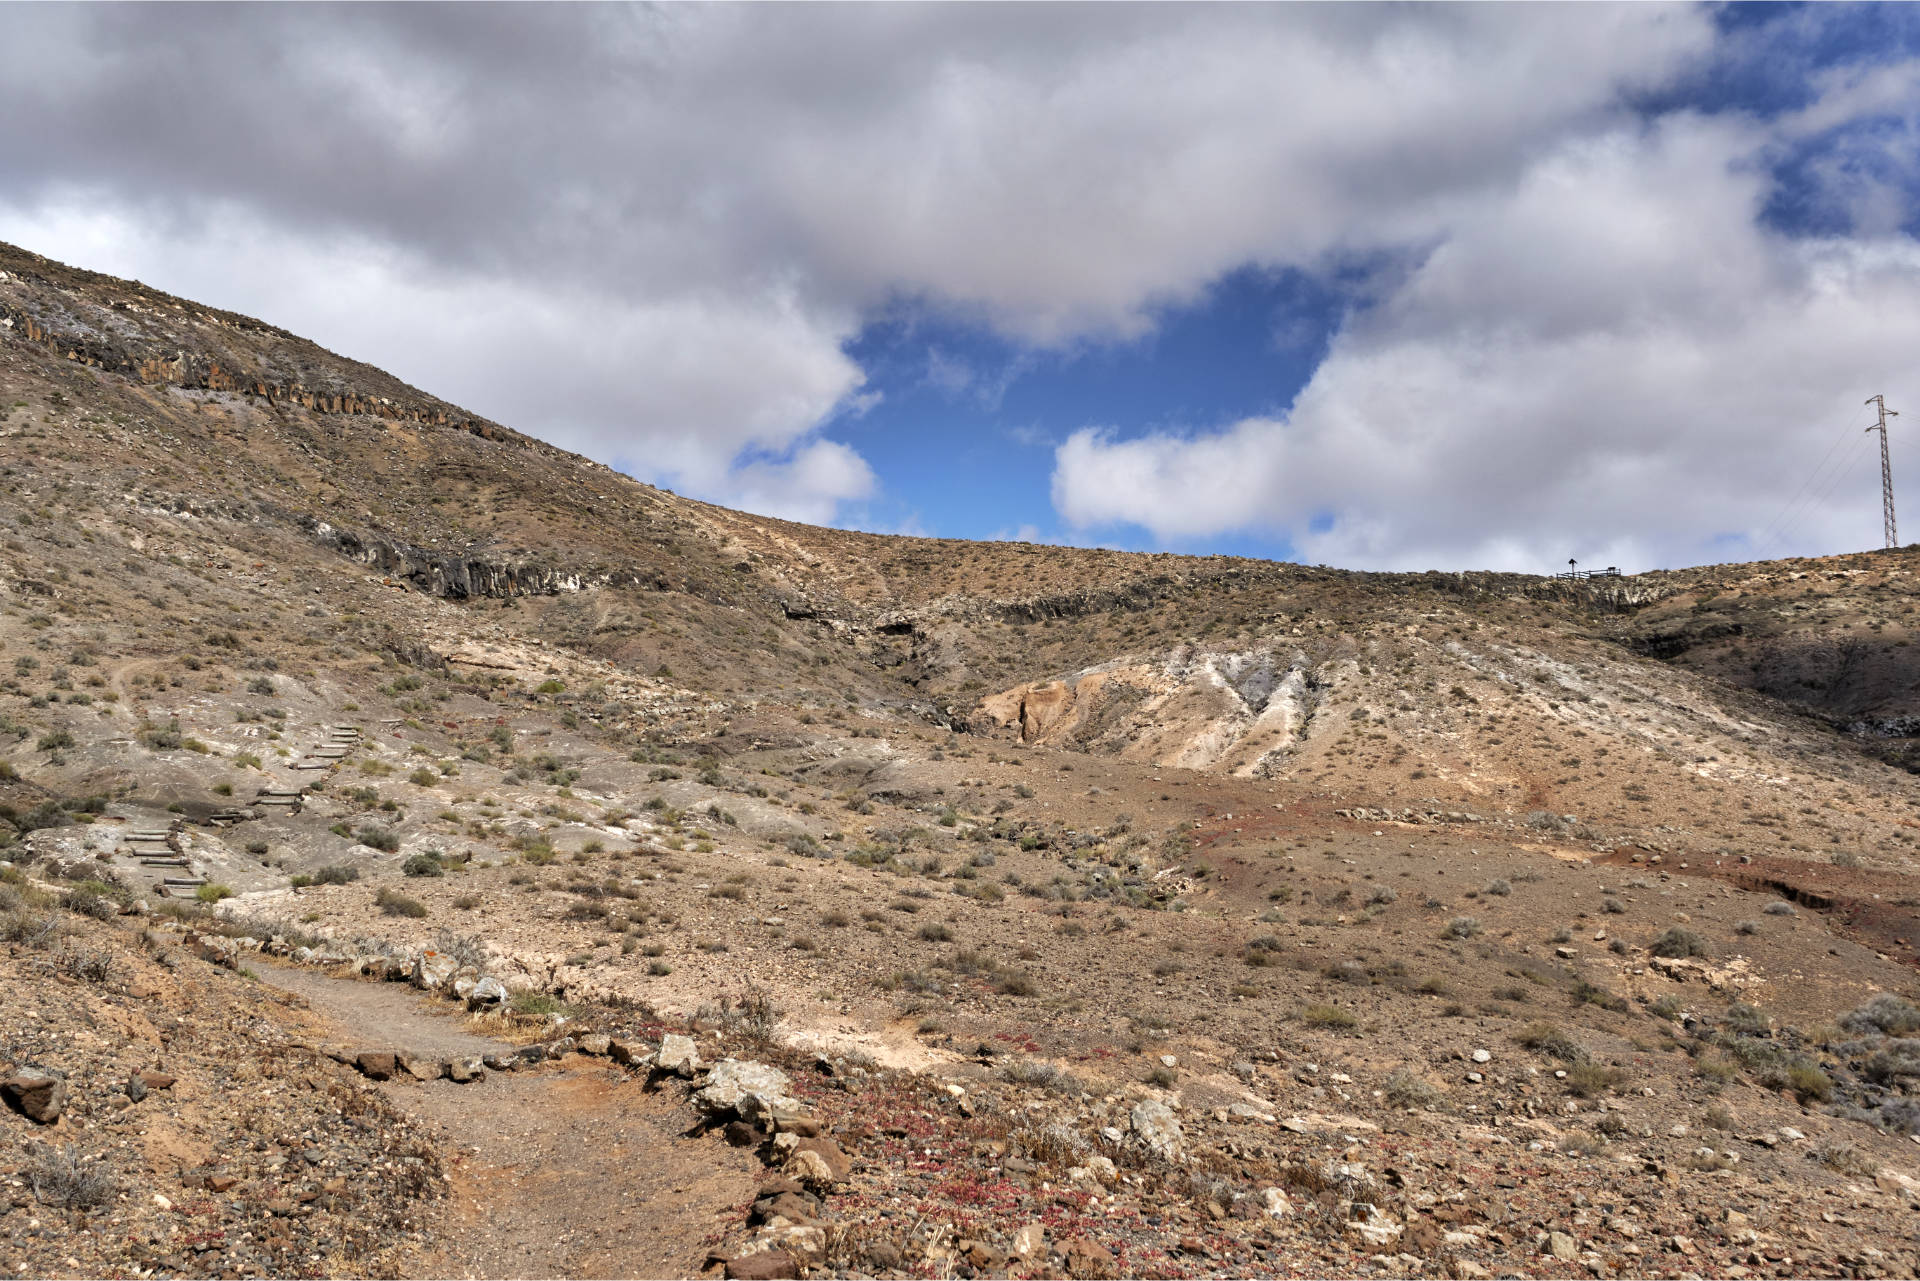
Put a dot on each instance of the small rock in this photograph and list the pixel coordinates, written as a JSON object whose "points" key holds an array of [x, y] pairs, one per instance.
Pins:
{"points": [[154, 1080], [36, 1094], [136, 1088], [1483, 1056], [1561, 1246], [465, 1071], [1156, 1127], [1030, 1242], [596, 1044], [1277, 1204]]}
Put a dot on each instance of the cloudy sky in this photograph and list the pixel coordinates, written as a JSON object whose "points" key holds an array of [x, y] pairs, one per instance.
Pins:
{"points": [[1424, 287]]}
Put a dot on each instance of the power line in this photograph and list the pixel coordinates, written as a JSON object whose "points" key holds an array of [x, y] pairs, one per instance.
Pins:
{"points": [[1773, 530], [1817, 500]]}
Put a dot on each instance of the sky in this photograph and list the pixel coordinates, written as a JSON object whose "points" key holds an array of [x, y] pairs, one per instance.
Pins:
{"points": [[1422, 287]]}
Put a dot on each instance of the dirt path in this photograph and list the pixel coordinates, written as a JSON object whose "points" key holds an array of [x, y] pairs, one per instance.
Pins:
{"points": [[571, 1169], [382, 1015]]}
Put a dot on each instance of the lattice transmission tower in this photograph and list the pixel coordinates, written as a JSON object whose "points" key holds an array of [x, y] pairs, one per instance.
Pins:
{"points": [[1886, 470]]}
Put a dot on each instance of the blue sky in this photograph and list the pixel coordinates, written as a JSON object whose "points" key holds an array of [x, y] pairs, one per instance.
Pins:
{"points": [[964, 433], [1374, 286]]}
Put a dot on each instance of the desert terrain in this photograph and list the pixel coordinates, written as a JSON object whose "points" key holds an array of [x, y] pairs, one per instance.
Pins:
{"points": [[427, 852]]}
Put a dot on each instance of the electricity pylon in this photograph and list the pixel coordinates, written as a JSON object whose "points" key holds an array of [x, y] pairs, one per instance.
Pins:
{"points": [[1886, 469]]}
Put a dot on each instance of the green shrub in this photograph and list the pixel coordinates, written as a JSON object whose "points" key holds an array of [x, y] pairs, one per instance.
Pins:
{"points": [[1461, 927], [1677, 943], [1407, 1090], [394, 904], [1328, 1016], [336, 874], [1886, 1014], [1550, 1040], [1589, 1080], [539, 1005], [378, 838], [1809, 1083], [212, 893], [422, 865]]}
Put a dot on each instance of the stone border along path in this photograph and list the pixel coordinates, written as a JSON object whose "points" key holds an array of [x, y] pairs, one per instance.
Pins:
{"points": [[750, 1102]]}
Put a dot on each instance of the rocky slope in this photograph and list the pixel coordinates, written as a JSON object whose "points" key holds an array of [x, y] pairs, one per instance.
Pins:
{"points": [[1466, 923]]}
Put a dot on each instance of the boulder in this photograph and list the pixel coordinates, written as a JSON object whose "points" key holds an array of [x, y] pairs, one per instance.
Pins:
{"points": [[1085, 1257], [596, 1044], [487, 992], [1157, 1129], [433, 970], [680, 1056], [36, 1094], [1030, 1242], [767, 1265], [378, 1065], [786, 1208], [1368, 1225], [628, 1053], [811, 1169], [465, 1071], [747, 1089], [838, 1166]]}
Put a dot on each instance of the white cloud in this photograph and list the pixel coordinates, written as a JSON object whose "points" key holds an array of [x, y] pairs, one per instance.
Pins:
{"points": [[647, 233], [1609, 358]]}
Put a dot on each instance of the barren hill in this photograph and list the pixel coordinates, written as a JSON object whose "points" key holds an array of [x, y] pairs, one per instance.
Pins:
{"points": [[1453, 922]]}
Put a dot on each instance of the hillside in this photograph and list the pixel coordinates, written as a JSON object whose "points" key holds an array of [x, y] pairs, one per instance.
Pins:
{"points": [[1042, 848]]}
